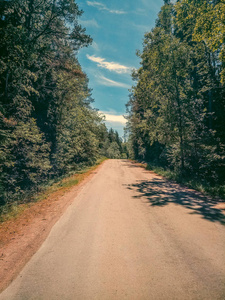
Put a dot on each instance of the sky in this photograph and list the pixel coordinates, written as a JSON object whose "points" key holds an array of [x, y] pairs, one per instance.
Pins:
{"points": [[117, 28]]}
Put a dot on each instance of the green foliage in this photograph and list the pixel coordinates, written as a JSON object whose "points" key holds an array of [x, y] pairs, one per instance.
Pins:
{"points": [[113, 147], [217, 190], [113, 151], [55, 187], [47, 126], [175, 108], [24, 159], [207, 25]]}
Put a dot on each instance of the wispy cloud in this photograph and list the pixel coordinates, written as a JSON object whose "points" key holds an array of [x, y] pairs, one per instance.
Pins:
{"points": [[114, 118], [89, 23], [102, 6], [140, 11], [95, 46], [142, 28], [151, 5], [108, 82], [111, 66]]}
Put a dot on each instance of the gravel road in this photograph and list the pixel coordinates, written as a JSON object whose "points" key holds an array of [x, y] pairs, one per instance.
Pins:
{"points": [[129, 234]]}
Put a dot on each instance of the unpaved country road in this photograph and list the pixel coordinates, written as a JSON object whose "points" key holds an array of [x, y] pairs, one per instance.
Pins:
{"points": [[129, 234]]}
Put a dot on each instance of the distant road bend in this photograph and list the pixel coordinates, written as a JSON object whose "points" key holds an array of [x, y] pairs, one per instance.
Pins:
{"points": [[129, 234]]}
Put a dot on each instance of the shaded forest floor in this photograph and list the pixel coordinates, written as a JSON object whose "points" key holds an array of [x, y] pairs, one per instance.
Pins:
{"points": [[24, 230], [216, 191]]}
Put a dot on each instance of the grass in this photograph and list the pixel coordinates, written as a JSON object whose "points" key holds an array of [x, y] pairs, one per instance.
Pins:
{"points": [[9, 212], [14, 210], [205, 188]]}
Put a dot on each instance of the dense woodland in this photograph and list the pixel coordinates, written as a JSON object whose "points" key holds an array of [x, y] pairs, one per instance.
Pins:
{"points": [[47, 125], [177, 105]]}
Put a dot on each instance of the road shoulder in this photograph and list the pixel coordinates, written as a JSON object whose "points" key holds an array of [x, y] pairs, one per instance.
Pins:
{"points": [[20, 238]]}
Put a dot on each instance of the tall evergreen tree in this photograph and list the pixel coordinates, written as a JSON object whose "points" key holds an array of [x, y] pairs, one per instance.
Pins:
{"points": [[47, 123], [173, 109]]}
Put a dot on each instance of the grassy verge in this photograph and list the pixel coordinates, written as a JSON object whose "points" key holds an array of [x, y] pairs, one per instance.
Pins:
{"points": [[205, 188], [14, 210]]}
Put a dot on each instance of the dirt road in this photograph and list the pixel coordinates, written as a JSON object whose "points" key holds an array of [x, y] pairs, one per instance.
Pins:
{"points": [[129, 234]]}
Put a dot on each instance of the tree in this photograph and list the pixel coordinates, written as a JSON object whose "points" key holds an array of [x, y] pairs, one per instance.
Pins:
{"points": [[173, 108], [47, 124], [113, 151]]}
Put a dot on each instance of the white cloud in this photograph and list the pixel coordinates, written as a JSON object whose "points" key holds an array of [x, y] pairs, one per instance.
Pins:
{"points": [[102, 6], [108, 82], [114, 118], [89, 23], [111, 66]]}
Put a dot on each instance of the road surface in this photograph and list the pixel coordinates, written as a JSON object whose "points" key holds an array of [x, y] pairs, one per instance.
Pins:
{"points": [[129, 234]]}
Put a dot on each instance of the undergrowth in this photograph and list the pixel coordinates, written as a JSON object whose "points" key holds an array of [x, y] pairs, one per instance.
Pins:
{"points": [[217, 190], [61, 185]]}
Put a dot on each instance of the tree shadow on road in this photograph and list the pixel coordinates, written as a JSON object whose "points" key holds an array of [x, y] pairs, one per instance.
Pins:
{"points": [[160, 192], [132, 164]]}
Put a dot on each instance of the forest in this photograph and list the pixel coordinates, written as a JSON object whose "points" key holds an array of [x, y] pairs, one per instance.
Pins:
{"points": [[48, 127], [176, 110]]}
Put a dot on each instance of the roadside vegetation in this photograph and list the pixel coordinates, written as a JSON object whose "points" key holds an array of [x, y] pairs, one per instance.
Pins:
{"points": [[177, 105], [48, 128], [53, 189], [214, 190], [113, 146]]}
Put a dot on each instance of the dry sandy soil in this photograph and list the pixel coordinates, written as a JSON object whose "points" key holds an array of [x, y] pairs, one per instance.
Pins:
{"points": [[21, 237]]}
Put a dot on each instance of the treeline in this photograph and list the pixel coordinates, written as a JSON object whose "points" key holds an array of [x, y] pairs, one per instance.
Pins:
{"points": [[47, 126], [113, 146], [177, 107]]}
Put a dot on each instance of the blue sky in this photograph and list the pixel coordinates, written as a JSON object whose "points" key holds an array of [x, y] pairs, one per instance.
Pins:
{"points": [[117, 28]]}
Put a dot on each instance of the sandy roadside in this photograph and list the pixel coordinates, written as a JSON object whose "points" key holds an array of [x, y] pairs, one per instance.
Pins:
{"points": [[20, 238]]}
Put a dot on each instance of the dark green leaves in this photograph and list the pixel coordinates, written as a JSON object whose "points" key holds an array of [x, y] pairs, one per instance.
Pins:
{"points": [[175, 108], [47, 125]]}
